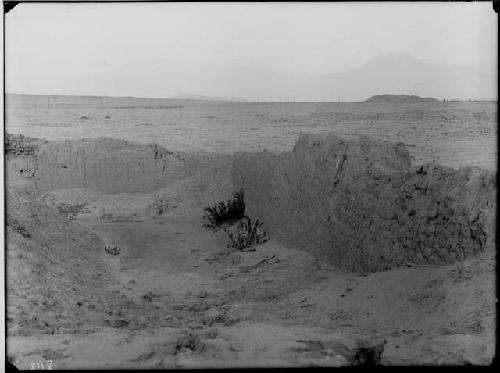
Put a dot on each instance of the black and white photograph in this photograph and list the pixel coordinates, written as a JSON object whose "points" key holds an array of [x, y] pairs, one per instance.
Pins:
{"points": [[249, 185]]}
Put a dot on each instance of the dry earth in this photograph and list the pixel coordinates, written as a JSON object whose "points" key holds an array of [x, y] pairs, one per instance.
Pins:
{"points": [[451, 133], [175, 296]]}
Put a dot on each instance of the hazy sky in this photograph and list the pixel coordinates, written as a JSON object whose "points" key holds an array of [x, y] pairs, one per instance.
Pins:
{"points": [[160, 49]]}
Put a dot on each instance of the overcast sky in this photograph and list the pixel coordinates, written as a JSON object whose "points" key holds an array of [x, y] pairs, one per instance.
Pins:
{"points": [[151, 49]]}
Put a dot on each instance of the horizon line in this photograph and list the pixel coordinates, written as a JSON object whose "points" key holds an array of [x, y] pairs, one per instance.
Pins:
{"points": [[246, 100]]}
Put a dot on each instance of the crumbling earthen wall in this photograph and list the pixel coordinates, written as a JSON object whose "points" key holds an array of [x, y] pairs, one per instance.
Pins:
{"points": [[20, 155], [20, 145], [362, 207], [111, 165]]}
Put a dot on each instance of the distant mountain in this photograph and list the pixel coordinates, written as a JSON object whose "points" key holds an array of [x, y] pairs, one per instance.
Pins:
{"points": [[208, 98], [400, 74], [390, 73], [401, 99]]}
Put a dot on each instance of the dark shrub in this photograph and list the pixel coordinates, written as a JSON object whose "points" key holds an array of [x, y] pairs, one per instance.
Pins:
{"points": [[189, 341], [160, 204], [248, 234], [16, 226], [112, 250], [368, 355], [226, 212]]}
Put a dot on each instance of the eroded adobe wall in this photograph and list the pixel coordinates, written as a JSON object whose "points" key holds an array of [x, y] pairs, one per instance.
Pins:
{"points": [[112, 166], [362, 207], [20, 145], [20, 155]]}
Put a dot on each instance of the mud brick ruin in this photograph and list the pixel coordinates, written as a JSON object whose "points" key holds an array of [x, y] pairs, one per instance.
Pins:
{"points": [[20, 145], [24, 150]]}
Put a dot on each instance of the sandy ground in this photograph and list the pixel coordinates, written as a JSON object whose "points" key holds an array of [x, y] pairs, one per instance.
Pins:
{"points": [[452, 133], [179, 298]]}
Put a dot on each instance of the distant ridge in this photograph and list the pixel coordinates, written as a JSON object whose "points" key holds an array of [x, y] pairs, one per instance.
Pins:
{"points": [[401, 99], [208, 98], [394, 73]]}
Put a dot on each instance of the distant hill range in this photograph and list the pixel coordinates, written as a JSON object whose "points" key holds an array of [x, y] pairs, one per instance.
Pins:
{"points": [[401, 99], [208, 98], [402, 74], [394, 73]]}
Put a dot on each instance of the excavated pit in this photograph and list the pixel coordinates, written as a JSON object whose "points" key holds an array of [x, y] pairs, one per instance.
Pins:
{"points": [[176, 297], [358, 204]]}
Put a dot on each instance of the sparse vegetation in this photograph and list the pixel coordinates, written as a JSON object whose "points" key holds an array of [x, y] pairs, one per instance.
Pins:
{"points": [[72, 211], [367, 354], [248, 234], [112, 250], [225, 212], [160, 204], [189, 341], [17, 227]]}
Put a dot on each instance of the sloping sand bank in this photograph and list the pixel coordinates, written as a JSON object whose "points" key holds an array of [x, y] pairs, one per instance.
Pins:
{"points": [[175, 296]]}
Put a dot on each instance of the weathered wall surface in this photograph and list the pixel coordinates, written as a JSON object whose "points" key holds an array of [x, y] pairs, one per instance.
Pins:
{"points": [[362, 207], [20, 155], [112, 166], [20, 145]]}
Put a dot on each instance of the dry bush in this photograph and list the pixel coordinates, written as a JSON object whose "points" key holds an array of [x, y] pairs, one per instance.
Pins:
{"points": [[248, 234], [367, 354], [225, 212], [160, 204], [112, 250], [17, 227]]}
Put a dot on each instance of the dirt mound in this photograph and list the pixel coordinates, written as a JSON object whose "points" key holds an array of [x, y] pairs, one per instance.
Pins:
{"points": [[47, 268], [58, 276], [360, 205]]}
